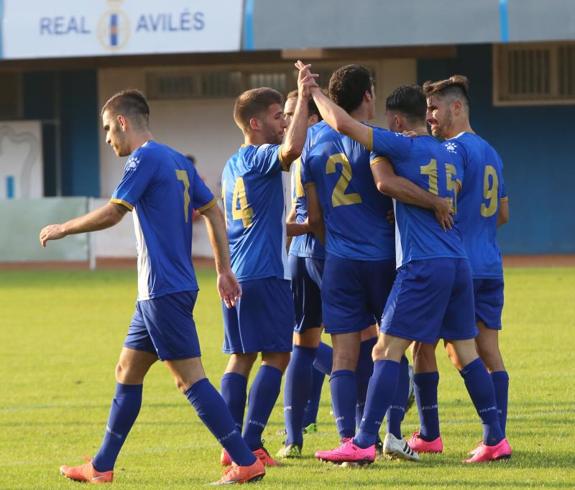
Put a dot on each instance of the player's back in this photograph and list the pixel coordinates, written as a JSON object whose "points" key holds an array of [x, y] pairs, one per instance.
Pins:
{"points": [[435, 167], [164, 188], [254, 206], [483, 188], [355, 212]]}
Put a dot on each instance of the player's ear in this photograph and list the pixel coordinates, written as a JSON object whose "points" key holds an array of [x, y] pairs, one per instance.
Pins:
{"points": [[255, 124], [122, 121]]}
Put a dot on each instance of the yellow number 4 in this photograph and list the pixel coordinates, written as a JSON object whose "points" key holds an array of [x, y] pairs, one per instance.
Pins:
{"points": [[243, 211]]}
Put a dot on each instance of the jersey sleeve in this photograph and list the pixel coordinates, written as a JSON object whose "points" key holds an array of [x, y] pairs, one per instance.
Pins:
{"points": [[503, 191], [139, 172], [202, 196], [267, 160], [389, 144]]}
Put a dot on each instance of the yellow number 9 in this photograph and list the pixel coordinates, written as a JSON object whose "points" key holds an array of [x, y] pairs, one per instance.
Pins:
{"points": [[490, 186]]}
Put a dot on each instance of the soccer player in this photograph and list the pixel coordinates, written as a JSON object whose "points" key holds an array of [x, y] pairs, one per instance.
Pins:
{"points": [[432, 295], [304, 382], [482, 207], [263, 319], [359, 266], [161, 187]]}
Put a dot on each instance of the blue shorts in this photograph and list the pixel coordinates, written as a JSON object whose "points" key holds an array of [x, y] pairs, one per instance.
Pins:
{"points": [[354, 293], [165, 326], [262, 320], [306, 274], [488, 301], [431, 300]]}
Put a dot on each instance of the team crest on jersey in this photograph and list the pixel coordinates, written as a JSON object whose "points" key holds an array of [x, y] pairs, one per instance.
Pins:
{"points": [[132, 163], [450, 147]]}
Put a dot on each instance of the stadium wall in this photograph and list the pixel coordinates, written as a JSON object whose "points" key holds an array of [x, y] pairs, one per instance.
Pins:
{"points": [[537, 154]]}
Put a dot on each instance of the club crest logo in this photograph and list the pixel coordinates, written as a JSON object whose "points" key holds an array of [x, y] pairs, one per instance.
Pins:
{"points": [[114, 27]]}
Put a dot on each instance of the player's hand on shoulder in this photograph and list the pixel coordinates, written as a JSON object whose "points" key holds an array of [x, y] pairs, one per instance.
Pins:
{"points": [[229, 288], [51, 232]]}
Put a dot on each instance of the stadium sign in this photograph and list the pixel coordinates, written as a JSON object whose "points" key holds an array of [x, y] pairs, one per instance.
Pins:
{"points": [[69, 28]]}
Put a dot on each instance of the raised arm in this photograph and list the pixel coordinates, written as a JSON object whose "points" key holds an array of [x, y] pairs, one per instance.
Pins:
{"points": [[389, 183], [228, 286], [296, 132], [105, 217]]}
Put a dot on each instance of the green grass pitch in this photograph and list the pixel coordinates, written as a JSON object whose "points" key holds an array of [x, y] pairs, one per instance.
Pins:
{"points": [[61, 332]]}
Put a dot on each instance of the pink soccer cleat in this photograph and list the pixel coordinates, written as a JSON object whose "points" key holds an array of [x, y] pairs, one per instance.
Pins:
{"points": [[420, 445], [484, 453], [86, 473], [348, 452]]}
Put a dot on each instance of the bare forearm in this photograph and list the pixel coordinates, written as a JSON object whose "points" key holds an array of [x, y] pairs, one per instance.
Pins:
{"points": [[407, 192], [216, 227], [99, 219], [295, 133], [296, 229]]}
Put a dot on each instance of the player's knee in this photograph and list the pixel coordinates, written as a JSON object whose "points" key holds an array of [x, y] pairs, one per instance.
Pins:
{"points": [[491, 357]]}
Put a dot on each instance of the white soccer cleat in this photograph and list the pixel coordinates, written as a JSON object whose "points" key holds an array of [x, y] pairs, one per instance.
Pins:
{"points": [[395, 448]]}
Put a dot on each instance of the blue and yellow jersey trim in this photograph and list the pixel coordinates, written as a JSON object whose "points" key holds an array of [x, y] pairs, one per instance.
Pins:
{"points": [[377, 160], [207, 206], [121, 202], [504, 198], [370, 138]]}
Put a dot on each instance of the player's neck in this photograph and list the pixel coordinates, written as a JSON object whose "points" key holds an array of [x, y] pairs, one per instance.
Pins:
{"points": [[361, 114], [459, 127], [419, 130], [138, 139], [254, 139]]}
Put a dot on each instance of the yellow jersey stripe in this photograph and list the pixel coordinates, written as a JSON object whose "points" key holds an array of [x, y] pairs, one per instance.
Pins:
{"points": [[283, 164], [122, 203], [377, 160], [207, 206]]}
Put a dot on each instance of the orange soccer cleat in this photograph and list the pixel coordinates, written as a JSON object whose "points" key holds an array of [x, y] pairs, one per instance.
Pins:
{"points": [[86, 473], [242, 474]]}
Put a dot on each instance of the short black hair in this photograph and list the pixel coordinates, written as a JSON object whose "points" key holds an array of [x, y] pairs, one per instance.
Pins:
{"points": [[311, 107], [254, 102], [130, 103], [348, 84], [454, 86], [409, 100]]}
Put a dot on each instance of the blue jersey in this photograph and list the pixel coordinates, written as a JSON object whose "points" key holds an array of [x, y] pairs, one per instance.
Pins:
{"points": [[303, 245], [479, 204], [355, 212], [252, 191], [162, 188], [436, 167]]}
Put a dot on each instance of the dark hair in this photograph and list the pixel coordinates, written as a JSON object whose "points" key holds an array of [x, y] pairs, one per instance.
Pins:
{"points": [[253, 102], [409, 100], [348, 84], [455, 86], [130, 103], [311, 107]]}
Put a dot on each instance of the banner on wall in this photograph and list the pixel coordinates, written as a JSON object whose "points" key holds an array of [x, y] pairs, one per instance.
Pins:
{"points": [[69, 28], [21, 163]]}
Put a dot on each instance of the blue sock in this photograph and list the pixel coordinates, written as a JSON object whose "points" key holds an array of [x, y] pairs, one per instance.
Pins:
{"points": [[214, 413], [480, 388], [396, 411], [233, 389], [123, 413], [425, 387], [344, 398], [297, 391], [312, 405], [263, 395], [380, 394], [362, 374], [501, 384], [323, 359]]}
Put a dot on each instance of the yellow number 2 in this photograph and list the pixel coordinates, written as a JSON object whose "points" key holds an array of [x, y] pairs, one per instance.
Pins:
{"points": [[182, 176], [490, 186], [240, 208], [339, 197]]}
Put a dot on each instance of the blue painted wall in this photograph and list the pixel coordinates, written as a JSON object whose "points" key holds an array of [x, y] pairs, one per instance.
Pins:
{"points": [[538, 150], [67, 103]]}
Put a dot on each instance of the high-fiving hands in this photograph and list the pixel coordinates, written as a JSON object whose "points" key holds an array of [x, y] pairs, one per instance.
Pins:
{"points": [[306, 79]]}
